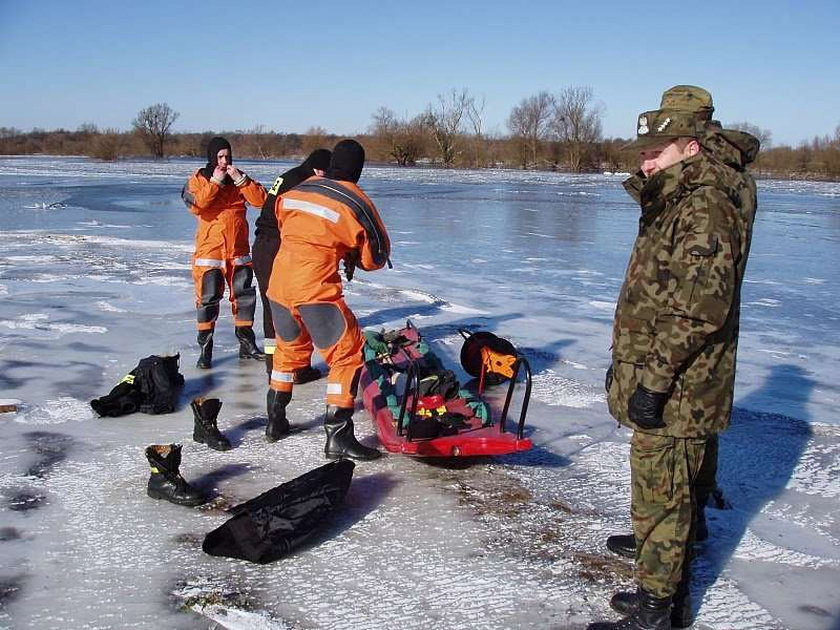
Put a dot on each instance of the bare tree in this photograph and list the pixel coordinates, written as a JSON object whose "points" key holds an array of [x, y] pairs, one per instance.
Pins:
{"points": [[444, 120], [577, 123], [765, 137], [316, 138], [475, 114], [153, 124], [529, 122], [400, 139]]}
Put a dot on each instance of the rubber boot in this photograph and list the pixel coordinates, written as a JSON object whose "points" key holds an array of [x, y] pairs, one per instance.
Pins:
{"points": [[205, 342], [166, 481], [307, 375], [278, 424], [682, 614], [623, 545], [341, 442], [205, 429], [651, 613], [248, 344]]}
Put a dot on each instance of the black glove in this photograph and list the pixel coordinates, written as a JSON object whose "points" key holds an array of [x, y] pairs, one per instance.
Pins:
{"points": [[645, 408], [351, 258]]}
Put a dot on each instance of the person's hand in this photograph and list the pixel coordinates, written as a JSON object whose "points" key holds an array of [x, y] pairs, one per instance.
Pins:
{"points": [[219, 173], [645, 408], [235, 173], [350, 260]]}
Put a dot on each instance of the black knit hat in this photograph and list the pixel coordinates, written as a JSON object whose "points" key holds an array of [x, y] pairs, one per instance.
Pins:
{"points": [[319, 158], [347, 162]]}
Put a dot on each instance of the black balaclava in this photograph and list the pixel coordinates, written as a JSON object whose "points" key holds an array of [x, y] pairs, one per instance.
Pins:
{"points": [[319, 158], [348, 159], [213, 147]]}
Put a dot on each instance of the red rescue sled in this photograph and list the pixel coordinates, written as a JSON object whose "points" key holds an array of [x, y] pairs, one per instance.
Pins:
{"points": [[419, 409]]}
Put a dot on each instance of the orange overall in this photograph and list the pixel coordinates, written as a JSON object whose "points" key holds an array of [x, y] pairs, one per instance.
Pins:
{"points": [[222, 254], [322, 222]]}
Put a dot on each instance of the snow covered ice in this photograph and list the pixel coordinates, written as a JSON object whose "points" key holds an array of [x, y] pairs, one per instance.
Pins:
{"points": [[95, 274]]}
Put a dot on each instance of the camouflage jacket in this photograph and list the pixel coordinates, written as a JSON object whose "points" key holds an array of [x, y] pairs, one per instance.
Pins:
{"points": [[676, 320]]}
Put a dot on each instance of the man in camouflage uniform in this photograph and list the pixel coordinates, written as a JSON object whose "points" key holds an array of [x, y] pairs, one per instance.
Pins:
{"points": [[697, 101], [675, 335]]}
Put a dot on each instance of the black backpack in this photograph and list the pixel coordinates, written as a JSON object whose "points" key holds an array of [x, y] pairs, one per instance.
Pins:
{"points": [[159, 383]]}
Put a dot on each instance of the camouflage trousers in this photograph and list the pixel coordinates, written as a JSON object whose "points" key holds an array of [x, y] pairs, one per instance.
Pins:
{"points": [[663, 471]]}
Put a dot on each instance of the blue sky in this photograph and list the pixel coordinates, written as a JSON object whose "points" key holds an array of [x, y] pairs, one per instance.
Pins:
{"points": [[293, 65]]}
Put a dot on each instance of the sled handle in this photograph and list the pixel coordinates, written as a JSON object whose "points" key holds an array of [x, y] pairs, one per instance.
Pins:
{"points": [[520, 429], [412, 376]]}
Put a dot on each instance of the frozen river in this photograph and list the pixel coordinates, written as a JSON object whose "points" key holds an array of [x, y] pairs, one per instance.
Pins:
{"points": [[95, 274]]}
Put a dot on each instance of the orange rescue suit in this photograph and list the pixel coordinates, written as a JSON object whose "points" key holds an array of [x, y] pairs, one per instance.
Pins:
{"points": [[221, 246], [323, 222]]}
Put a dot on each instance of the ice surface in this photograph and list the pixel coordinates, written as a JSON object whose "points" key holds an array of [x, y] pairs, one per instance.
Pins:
{"points": [[95, 274]]}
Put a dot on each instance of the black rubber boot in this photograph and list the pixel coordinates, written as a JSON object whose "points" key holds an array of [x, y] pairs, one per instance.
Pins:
{"points": [[278, 424], [623, 545], [205, 342], [341, 442], [205, 429], [307, 375], [248, 344], [682, 615], [166, 481], [651, 613]]}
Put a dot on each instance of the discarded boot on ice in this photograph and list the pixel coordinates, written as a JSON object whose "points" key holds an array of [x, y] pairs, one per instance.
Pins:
{"points": [[341, 442], [278, 424], [248, 344], [166, 481], [651, 613], [205, 429], [205, 342]]}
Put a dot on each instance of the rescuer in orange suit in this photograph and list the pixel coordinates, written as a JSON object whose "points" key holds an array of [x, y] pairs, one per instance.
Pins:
{"points": [[323, 221], [216, 194]]}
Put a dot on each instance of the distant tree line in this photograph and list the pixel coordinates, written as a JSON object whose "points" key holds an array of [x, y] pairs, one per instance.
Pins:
{"points": [[545, 131]]}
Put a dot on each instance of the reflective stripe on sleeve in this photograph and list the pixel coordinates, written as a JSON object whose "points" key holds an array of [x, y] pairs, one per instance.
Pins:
{"points": [[311, 208], [334, 388]]}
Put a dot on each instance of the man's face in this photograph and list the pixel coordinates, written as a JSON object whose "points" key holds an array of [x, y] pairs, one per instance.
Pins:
{"points": [[664, 155], [223, 158]]}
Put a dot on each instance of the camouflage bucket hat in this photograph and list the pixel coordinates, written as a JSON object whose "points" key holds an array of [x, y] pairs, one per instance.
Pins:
{"points": [[689, 98], [661, 126]]}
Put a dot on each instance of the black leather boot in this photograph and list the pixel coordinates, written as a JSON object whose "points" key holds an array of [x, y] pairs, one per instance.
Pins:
{"points": [[166, 481], [651, 613], [205, 429], [205, 342], [682, 614], [278, 424], [248, 344], [623, 545], [341, 441]]}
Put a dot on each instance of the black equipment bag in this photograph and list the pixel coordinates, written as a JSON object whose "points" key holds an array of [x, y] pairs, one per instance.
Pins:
{"points": [[278, 521]]}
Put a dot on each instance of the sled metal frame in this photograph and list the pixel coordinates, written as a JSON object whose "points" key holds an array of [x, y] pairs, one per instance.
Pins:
{"points": [[413, 378]]}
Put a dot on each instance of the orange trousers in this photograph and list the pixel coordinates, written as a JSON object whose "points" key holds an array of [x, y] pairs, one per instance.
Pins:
{"points": [[332, 328]]}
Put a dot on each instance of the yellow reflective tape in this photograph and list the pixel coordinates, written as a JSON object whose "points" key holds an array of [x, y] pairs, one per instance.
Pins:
{"points": [[276, 186], [128, 378]]}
